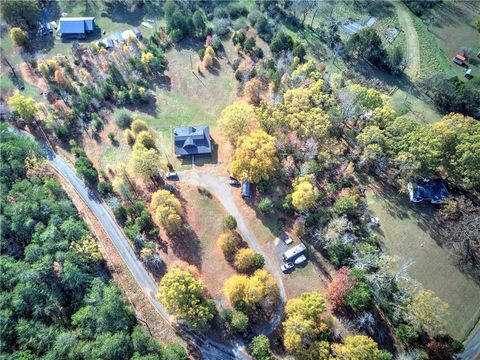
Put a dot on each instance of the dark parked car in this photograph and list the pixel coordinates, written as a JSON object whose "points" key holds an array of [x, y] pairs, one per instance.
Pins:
{"points": [[171, 175], [169, 187], [234, 182]]}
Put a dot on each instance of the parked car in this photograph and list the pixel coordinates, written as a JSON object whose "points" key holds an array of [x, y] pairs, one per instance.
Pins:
{"points": [[49, 28], [171, 175], [169, 187], [287, 266], [300, 260], [234, 182]]}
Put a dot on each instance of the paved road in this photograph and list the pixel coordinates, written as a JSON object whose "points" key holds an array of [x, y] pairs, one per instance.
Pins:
{"points": [[472, 348], [209, 348], [218, 186]]}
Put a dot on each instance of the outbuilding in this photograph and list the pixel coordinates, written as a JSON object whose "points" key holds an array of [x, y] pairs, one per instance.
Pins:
{"points": [[459, 60]]}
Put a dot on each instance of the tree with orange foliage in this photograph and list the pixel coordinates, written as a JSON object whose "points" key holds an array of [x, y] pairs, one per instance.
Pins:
{"points": [[253, 89], [336, 290]]}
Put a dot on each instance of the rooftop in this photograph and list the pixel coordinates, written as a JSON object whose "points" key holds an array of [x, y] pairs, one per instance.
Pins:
{"points": [[76, 25], [192, 140]]}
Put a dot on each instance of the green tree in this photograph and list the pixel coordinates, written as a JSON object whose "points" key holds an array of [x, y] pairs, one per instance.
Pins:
{"points": [[138, 126], [122, 118], [265, 205], [427, 311], [367, 45], [18, 36], [281, 42], [184, 297], [22, 13], [199, 22], [229, 223], [247, 260], [260, 348], [239, 321]]}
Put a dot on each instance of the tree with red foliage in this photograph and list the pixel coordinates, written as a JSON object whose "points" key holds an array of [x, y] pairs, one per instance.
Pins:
{"points": [[336, 290]]}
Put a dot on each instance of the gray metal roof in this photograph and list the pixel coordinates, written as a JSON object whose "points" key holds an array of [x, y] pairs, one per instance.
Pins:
{"points": [[192, 140], [76, 25]]}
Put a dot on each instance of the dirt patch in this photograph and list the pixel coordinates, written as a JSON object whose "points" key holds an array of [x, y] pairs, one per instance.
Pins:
{"points": [[33, 79]]}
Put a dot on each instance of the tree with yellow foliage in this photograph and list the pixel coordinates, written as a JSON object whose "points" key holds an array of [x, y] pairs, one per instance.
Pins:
{"points": [[208, 57], [304, 193], [229, 242], [18, 36], [129, 137], [146, 139], [184, 297], [247, 260], [236, 120], [24, 106], [144, 162], [357, 347], [146, 58], [260, 289], [87, 246], [303, 324], [368, 98], [255, 157], [168, 210], [138, 126], [428, 312], [48, 67], [253, 90]]}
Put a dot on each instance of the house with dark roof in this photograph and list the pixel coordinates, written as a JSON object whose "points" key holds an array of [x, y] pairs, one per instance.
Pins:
{"points": [[75, 27], [192, 140], [434, 191]]}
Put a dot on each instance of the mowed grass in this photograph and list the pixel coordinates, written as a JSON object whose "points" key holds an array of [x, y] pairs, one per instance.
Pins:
{"points": [[432, 59], [453, 28], [406, 104], [192, 98], [404, 227]]}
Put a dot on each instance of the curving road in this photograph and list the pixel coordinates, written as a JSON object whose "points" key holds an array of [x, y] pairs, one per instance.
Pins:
{"points": [[209, 348]]}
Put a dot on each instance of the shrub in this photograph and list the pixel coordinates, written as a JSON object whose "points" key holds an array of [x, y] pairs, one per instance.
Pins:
{"points": [[346, 205], [120, 214], [229, 242], [221, 26], [281, 42], [239, 321], [122, 118], [138, 126], [129, 137], [265, 205], [247, 260], [111, 136], [237, 10], [207, 61], [260, 348], [299, 51], [201, 53], [85, 169], [249, 44], [105, 188], [229, 223], [18, 36], [406, 333]]}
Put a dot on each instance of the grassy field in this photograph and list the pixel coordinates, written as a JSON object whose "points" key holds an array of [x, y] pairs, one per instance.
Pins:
{"points": [[405, 103], [432, 58], [452, 24], [406, 231]]}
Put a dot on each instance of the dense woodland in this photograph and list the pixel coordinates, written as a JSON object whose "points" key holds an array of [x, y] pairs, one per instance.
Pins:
{"points": [[58, 299]]}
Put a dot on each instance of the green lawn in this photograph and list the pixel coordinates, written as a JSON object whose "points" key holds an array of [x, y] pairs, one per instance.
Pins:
{"points": [[406, 235], [452, 25], [405, 103]]}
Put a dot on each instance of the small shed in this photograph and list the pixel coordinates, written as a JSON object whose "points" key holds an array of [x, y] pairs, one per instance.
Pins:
{"points": [[459, 60]]}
